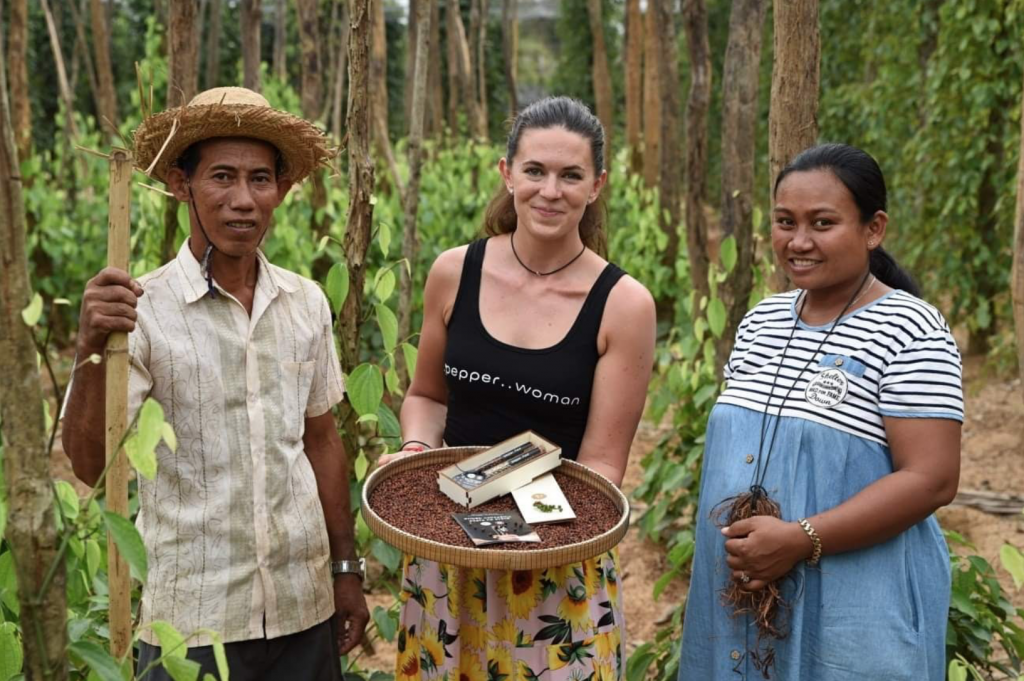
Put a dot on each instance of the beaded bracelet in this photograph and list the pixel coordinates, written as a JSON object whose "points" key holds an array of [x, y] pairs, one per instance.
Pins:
{"points": [[405, 446], [815, 542]]}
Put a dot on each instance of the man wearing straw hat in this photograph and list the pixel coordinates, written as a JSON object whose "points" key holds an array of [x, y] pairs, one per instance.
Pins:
{"points": [[247, 523]]}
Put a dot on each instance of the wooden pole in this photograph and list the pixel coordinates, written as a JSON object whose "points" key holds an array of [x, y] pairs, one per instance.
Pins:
{"points": [[117, 407], [1017, 273]]}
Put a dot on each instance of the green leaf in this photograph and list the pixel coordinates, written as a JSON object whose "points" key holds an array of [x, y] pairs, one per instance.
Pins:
{"points": [[663, 582], [97, 659], [391, 380], [962, 602], [387, 626], [9, 583], [716, 317], [728, 253], [363, 533], [385, 285], [218, 654], [31, 314], [957, 671], [337, 286], [141, 446], [129, 543], [144, 463], [756, 217], [388, 324], [68, 499], [3, 515], [639, 662], [1013, 561], [323, 243], [167, 433], [388, 555], [181, 669], [172, 643], [93, 557], [384, 237], [367, 418], [411, 354], [983, 316], [365, 389], [361, 465], [387, 423], [705, 394], [11, 654]]}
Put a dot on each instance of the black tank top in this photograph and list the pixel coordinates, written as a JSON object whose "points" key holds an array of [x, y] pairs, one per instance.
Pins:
{"points": [[496, 390]]}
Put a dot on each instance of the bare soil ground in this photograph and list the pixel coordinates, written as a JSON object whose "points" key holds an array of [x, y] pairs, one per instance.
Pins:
{"points": [[993, 460]]}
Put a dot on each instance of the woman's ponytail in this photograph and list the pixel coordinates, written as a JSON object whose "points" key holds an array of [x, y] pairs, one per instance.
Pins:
{"points": [[888, 271]]}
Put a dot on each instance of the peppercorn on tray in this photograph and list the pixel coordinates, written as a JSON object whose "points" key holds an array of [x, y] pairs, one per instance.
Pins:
{"points": [[403, 506]]}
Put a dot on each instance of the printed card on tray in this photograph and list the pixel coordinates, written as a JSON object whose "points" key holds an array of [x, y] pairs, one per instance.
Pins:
{"points": [[542, 501], [496, 528]]}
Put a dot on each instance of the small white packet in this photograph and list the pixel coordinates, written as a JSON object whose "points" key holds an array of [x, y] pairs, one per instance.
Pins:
{"points": [[542, 501]]}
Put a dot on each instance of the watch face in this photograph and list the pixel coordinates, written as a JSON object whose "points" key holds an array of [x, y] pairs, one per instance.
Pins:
{"points": [[349, 567]]}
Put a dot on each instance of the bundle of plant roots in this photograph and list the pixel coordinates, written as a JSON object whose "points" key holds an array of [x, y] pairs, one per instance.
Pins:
{"points": [[766, 606]]}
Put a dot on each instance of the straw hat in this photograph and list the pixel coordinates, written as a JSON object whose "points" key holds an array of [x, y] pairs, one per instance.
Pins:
{"points": [[229, 112]]}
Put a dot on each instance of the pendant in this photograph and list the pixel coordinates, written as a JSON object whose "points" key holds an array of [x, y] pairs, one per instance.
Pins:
{"points": [[827, 389]]}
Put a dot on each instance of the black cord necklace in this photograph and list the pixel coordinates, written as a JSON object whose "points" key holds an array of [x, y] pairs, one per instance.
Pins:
{"points": [[757, 487], [511, 240]]}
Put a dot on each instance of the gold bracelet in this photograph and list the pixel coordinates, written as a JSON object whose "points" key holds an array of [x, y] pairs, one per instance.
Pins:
{"points": [[815, 542]]}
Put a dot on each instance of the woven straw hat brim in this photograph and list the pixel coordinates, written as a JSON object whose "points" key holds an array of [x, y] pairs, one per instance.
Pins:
{"points": [[302, 145]]}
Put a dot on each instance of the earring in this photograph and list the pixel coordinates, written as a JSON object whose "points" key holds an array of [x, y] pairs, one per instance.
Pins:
{"points": [[511, 191]]}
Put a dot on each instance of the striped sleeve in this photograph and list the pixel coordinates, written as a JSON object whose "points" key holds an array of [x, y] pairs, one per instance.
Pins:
{"points": [[924, 380], [728, 368]]}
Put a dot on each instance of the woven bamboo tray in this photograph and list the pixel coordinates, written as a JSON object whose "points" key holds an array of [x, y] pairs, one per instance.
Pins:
{"points": [[493, 559]]}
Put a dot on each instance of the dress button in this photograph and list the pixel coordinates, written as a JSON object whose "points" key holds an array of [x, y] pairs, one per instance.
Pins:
{"points": [[839, 361], [735, 654], [750, 458]]}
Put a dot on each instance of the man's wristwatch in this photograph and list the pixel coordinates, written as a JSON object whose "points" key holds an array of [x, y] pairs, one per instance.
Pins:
{"points": [[349, 567]]}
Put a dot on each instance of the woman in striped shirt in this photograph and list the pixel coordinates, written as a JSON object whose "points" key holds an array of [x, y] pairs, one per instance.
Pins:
{"points": [[843, 405]]}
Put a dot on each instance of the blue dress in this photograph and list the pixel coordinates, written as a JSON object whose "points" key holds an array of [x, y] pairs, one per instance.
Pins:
{"points": [[875, 614]]}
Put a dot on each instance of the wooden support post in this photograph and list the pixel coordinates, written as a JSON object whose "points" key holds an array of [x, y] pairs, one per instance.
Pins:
{"points": [[118, 248]]}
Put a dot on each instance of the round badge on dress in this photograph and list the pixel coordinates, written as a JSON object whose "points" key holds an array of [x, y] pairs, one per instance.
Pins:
{"points": [[827, 389]]}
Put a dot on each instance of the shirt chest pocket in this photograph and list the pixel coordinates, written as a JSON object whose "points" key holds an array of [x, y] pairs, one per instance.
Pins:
{"points": [[835, 378], [848, 365], [296, 382]]}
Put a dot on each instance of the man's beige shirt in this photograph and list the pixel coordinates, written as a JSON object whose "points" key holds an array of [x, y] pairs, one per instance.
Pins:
{"points": [[232, 523]]}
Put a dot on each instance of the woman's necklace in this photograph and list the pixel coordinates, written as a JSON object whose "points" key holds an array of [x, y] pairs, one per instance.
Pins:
{"points": [[757, 488], [511, 240], [851, 304]]}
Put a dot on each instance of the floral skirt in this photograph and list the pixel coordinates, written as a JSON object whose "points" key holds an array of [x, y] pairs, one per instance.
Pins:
{"points": [[561, 623]]}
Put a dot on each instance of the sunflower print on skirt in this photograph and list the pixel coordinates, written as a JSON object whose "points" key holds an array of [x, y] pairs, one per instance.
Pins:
{"points": [[559, 624]]}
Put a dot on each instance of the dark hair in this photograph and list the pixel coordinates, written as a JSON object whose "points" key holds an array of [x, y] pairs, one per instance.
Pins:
{"points": [[189, 159], [862, 177], [554, 112]]}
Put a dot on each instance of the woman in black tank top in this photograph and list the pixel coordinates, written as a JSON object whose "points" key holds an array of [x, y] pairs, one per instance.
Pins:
{"points": [[529, 329]]}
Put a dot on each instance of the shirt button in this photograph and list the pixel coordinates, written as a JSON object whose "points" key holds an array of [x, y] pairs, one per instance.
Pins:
{"points": [[735, 654], [839, 361], [750, 458]]}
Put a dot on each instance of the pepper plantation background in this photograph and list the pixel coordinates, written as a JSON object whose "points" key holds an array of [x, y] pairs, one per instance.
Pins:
{"points": [[703, 100]]}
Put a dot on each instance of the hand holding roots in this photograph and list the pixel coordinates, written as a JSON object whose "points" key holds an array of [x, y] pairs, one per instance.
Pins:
{"points": [[764, 605]]}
